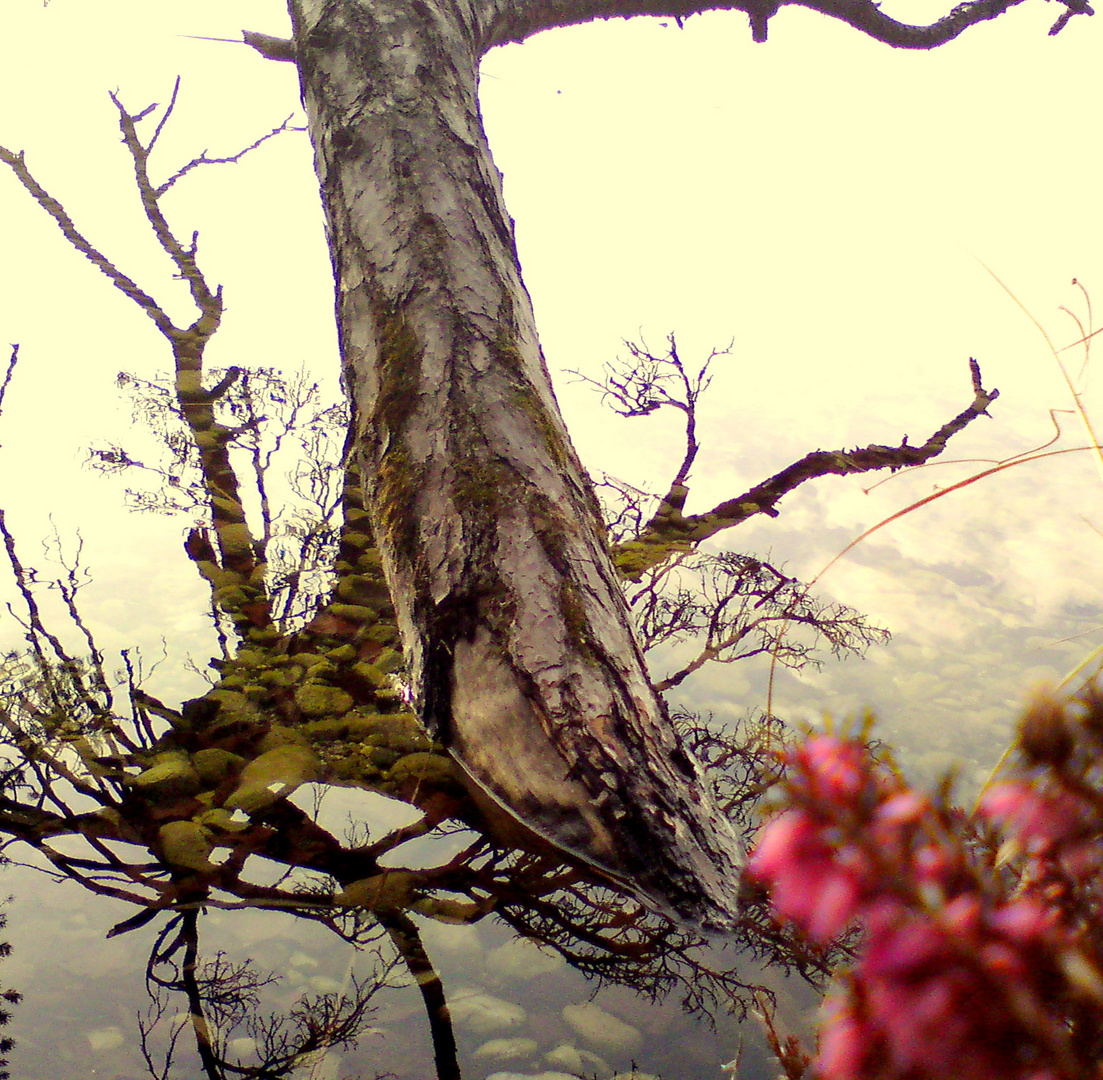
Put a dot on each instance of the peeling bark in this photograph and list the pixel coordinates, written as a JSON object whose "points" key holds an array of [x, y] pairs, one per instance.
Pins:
{"points": [[520, 648]]}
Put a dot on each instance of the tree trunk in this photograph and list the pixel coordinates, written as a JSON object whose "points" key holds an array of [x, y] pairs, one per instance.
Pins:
{"points": [[520, 648]]}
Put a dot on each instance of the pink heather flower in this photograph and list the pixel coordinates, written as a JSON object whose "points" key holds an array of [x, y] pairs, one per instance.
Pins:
{"points": [[1082, 860], [1023, 921], [845, 1044], [807, 882], [1004, 962], [899, 951], [1036, 817], [961, 916], [925, 1025], [932, 864], [835, 770], [948, 968], [905, 808]]}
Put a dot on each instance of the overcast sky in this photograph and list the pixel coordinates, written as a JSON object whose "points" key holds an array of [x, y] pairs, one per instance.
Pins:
{"points": [[824, 202]]}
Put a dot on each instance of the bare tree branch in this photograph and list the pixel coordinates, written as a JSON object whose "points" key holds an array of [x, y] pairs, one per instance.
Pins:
{"points": [[516, 20], [232, 159], [124, 284], [644, 384], [732, 607], [669, 531], [5, 382]]}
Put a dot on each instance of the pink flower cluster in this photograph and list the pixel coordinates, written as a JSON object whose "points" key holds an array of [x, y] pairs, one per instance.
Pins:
{"points": [[958, 974], [1058, 830]]}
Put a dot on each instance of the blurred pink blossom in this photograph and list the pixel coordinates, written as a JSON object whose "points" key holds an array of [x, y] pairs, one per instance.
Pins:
{"points": [[1036, 817], [955, 973]]}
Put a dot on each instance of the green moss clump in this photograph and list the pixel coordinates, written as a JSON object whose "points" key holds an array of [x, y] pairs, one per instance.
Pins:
{"points": [[170, 775], [187, 844], [356, 539], [232, 597], [634, 557], [356, 588], [398, 731], [348, 728], [381, 633], [356, 613], [236, 538], [189, 382], [218, 577], [371, 675], [214, 765], [389, 660], [281, 735], [233, 702], [318, 699], [208, 440], [273, 776], [371, 560], [382, 758], [423, 766], [228, 506], [396, 485], [342, 654], [307, 659], [221, 820], [282, 676], [250, 658]]}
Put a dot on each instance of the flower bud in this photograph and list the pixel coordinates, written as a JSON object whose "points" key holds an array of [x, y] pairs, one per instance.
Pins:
{"points": [[1044, 736]]}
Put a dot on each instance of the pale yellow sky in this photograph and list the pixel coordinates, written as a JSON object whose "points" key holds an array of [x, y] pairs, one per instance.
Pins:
{"points": [[823, 200]]}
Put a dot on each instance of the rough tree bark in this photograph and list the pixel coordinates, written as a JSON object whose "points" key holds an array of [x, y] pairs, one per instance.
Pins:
{"points": [[520, 649]]}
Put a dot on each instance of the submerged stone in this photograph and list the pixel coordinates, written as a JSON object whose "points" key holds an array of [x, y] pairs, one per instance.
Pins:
{"points": [[483, 1013], [602, 1029], [578, 1061], [108, 1038], [507, 1049], [531, 1076]]}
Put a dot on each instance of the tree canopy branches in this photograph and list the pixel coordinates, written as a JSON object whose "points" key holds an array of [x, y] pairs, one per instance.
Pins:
{"points": [[516, 20]]}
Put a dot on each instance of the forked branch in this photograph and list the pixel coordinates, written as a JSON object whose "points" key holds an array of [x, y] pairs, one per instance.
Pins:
{"points": [[227, 553], [669, 531]]}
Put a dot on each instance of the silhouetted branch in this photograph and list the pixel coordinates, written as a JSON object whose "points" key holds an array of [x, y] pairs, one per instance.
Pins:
{"points": [[9, 371], [517, 21], [669, 531]]}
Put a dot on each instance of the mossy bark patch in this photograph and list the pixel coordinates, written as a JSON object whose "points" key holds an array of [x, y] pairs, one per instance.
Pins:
{"points": [[390, 890]]}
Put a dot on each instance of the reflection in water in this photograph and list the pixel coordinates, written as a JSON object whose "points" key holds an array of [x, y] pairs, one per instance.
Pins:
{"points": [[197, 816], [186, 812], [141, 817], [181, 812]]}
